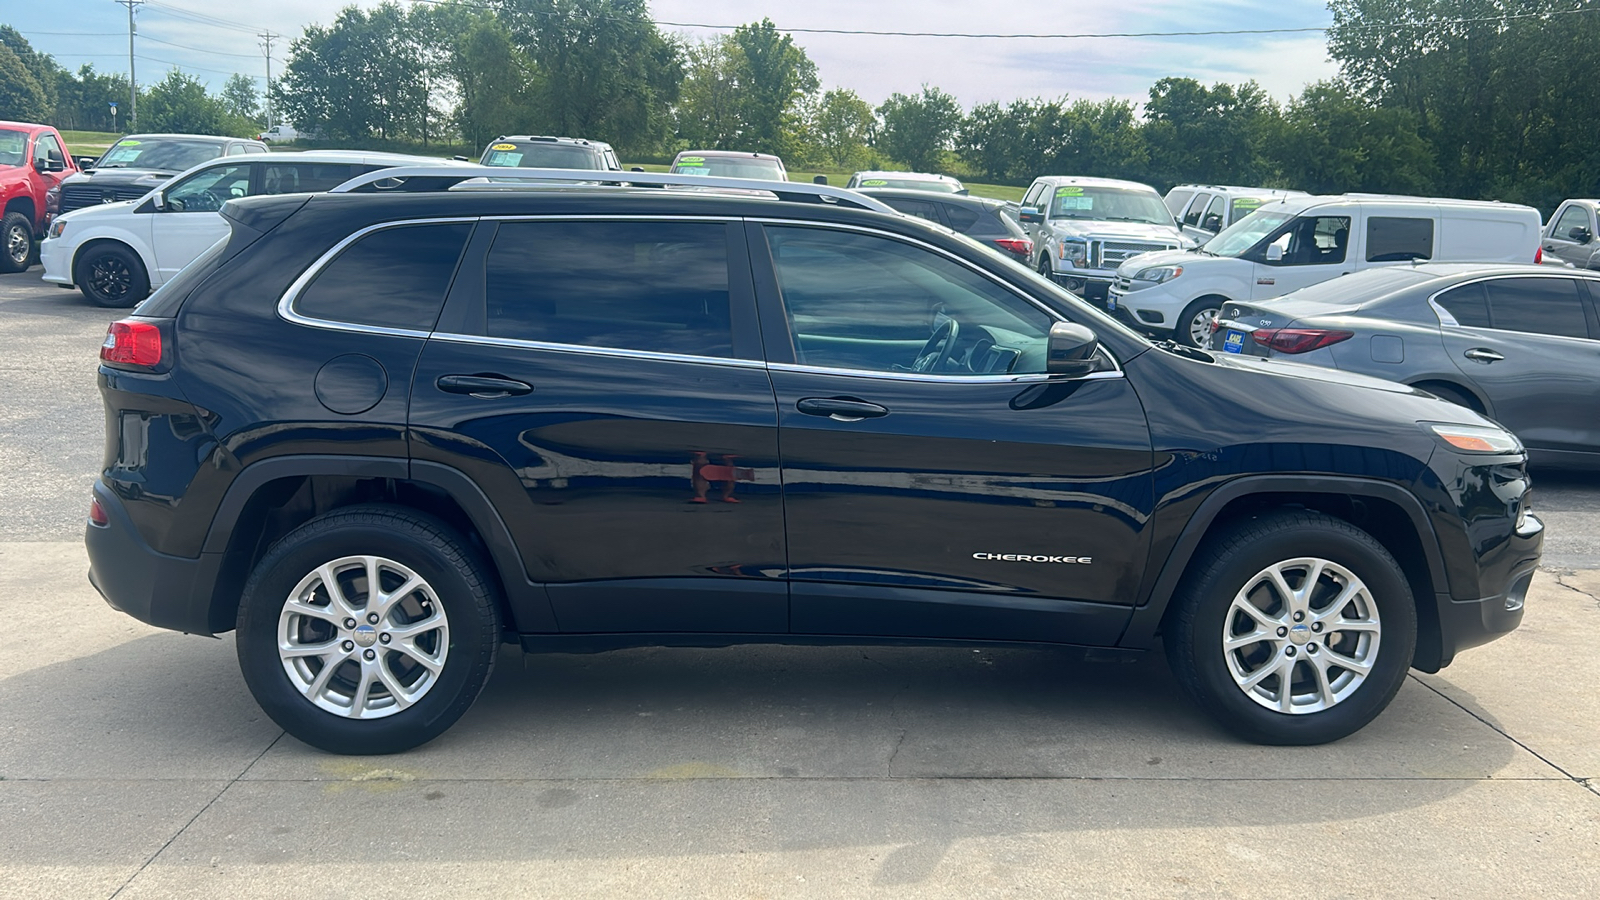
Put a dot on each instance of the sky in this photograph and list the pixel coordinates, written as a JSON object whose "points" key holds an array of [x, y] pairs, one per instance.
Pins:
{"points": [[212, 39]]}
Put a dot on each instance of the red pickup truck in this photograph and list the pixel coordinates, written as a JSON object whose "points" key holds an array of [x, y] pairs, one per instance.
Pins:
{"points": [[33, 158]]}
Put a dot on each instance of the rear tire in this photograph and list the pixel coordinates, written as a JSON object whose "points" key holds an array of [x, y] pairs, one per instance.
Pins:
{"points": [[368, 671], [16, 243], [1250, 655], [112, 275]]}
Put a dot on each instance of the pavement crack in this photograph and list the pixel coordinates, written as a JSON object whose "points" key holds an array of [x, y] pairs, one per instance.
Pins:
{"points": [[1582, 782], [179, 833], [1560, 576]]}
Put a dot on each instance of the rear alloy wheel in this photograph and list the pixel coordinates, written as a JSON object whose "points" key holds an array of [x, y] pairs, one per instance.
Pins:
{"points": [[111, 275], [1294, 628], [368, 630], [16, 243], [1194, 326]]}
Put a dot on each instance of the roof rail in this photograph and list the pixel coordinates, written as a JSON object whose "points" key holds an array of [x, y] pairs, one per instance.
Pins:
{"points": [[421, 179]]}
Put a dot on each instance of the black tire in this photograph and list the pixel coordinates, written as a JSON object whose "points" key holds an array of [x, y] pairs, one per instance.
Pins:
{"points": [[1225, 565], [457, 576], [1046, 268], [1458, 396], [1181, 329], [112, 275], [16, 243]]}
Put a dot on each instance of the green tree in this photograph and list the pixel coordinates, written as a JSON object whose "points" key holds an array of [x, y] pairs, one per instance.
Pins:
{"points": [[774, 78], [84, 100], [360, 77], [710, 111], [986, 140], [840, 126], [179, 103], [22, 98], [493, 83], [1199, 134], [1331, 141], [41, 66], [918, 129], [240, 97]]}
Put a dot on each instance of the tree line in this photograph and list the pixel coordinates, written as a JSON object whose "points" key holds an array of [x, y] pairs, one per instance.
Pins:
{"points": [[1468, 98]]}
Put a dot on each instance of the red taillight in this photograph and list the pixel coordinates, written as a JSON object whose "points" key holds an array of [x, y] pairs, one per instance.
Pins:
{"points": [[1019, 246], [1538, 255], [1299, 340], [97, 513], [133, 343]]}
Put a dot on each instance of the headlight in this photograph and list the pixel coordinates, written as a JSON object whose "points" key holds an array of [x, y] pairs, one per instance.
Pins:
{"points": [[1477, 438], [57, 227], [1158, 274], [1075, 252]]}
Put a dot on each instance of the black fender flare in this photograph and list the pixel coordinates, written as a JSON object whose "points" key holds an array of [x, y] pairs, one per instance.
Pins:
{"points": [[1147, 616]]}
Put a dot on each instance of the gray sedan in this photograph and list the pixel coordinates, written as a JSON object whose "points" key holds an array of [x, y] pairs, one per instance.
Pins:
{"points": [[1520, 343]]}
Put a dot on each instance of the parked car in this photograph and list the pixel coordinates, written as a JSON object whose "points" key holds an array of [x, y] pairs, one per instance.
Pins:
{"points": [[1202, 210], [279, 134], [1290, 244], [543, 152], [730, 164], [136, 164], [1519, 343], [33, 160], [989, 221], [1569, 237], [754, 420], [913, 181], [116, 253], [1083, 228]]}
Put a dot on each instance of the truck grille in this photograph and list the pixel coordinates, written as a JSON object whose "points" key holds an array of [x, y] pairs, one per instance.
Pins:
{"points": [[1110, 254], [78, 196]]}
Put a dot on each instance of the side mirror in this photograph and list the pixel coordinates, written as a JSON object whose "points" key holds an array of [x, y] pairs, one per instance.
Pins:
{"points": [[1212, 223], [1070, 350], [41, 165], [819, 179], [1580, 234], [159, 201], [85, 162], [1031, 216], [1274, 253]]}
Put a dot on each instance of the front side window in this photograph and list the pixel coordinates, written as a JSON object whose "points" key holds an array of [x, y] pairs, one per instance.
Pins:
{"points": [[393, 277], [1394, 239], [1537, 306], [659, 287], [1572, 218], [858, 301], [207, 189], [1212, 220], [1191, 216], [1033, 198], [1312, 241]]}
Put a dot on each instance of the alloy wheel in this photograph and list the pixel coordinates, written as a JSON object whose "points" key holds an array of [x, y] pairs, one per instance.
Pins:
{"points": [[110, 277], [363, 637], [1301, 636], [1200, 325], [19, 244]]}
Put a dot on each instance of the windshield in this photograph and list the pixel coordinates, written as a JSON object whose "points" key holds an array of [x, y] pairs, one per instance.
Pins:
{"points": [[169, 154], [911, 184], [729, 167], [1108, 204], [542, 156], [13, 147], [1245, 233]]}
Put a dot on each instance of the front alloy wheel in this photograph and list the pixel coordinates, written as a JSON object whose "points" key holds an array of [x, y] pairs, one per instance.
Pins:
{"points": [[16, 243], [1197, 323]]}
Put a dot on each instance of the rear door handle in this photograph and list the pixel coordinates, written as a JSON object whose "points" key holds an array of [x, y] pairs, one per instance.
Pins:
{"points": [[841, 409], [484, 387], [1483, 355]]}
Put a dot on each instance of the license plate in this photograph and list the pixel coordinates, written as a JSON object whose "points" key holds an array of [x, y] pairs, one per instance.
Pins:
{"points": [[1234, 342], [1111, 301]]}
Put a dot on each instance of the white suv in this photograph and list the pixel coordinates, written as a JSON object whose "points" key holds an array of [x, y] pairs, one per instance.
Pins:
{"points": [[117, 253]]}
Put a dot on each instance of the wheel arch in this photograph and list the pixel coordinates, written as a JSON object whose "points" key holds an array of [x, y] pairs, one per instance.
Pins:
{"points": [[23, 204], [271, 497], [1424, 382], [1387, 511], [145, 259]]}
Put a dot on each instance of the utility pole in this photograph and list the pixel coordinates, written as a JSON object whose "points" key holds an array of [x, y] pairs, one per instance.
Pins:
{"points": [[133, 85], [267, 37]]}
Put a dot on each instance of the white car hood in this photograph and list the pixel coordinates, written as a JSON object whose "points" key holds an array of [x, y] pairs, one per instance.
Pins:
{"points": [[101, 210], [1189, 259]]}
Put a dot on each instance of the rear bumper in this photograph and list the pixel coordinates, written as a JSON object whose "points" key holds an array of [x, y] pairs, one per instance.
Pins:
{"points": [[164, 591]]}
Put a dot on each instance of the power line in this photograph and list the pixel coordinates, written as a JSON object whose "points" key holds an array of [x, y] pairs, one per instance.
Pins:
{"points": [[179, 12], [200, 49]]}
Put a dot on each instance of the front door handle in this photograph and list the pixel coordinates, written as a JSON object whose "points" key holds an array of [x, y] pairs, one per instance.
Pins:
{"points": [[1483, 355], [841, 409], [484, 387]]}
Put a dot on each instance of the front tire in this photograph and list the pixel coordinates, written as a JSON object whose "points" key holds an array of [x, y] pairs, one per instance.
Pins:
{"points": [[112, 275], [1046, 270], [16, 243], [1193, 327], [1293, 628], [352, 669]]}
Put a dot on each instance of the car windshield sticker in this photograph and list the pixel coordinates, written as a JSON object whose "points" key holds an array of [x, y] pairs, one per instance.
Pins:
{"points": [[1069, 191], [503, 158], [874, 182], [1241, 204], [692, 161], [504, 147]]}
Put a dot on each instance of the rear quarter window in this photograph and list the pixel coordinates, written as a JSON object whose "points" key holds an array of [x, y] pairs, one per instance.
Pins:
{"points": [[1396, 239], [393, 278]]}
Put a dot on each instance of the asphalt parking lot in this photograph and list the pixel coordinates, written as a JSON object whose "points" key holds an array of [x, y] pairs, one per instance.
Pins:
{"points": [[133, 763]]}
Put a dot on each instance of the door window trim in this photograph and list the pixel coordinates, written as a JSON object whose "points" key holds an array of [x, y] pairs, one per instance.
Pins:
{"points": [[1446, 320]]}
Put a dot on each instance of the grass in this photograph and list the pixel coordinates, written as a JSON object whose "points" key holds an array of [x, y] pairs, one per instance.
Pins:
{"points": [[89, 143]]}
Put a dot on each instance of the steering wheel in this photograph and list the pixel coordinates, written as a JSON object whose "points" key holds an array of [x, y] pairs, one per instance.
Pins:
{"points": [[199, 201], [940, 348]]}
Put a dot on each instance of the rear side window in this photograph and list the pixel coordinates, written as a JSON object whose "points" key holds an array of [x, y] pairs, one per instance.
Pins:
{"points": [[392, 278], [922, 209], [295, 178], [961, 218], [1467, 305], [993, 222], [1538, 306], [660, 287], [1391, 239]]}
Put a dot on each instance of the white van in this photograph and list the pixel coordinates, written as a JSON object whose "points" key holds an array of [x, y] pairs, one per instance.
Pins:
{"points": [[1300, 241], [1202, 210]]}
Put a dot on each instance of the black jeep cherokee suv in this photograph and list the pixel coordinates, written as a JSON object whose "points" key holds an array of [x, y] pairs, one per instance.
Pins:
{"points": [[379, 433]]}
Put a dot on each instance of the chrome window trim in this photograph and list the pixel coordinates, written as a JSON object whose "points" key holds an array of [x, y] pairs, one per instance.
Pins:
{"points": [[588, 350], [286, 310], [1446, 320], [979, 270], [1030, 378]]}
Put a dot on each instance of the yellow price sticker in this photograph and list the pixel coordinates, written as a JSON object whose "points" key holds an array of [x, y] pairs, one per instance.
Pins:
{"points": [[504, 147]]}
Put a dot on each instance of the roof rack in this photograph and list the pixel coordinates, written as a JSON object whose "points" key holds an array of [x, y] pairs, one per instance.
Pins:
{"points": [[421, 179]]}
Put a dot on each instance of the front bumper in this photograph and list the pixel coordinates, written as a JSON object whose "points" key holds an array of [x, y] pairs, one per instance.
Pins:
{"points": [[1145, 305], [157, 589], [1464, 624], [56, 256]]}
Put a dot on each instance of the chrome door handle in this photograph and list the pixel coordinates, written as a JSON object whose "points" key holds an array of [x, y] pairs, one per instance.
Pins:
{"points": [[841, 409], [1483, 355]]}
